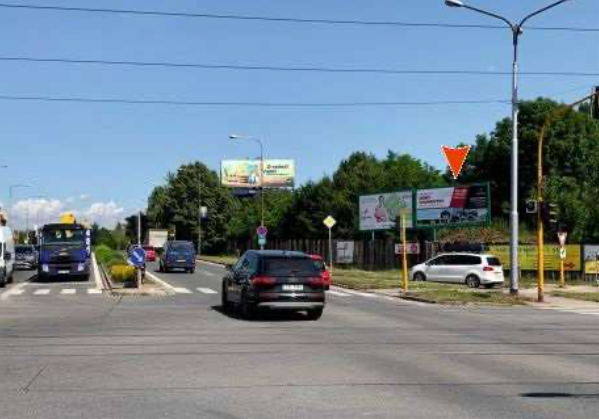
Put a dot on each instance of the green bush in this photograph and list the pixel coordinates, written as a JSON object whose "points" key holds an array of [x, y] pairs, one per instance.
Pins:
{"points": [[103, 253], [122, 273]]}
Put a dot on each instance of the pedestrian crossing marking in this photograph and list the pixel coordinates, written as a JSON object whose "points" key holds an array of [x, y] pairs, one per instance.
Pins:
{"points": [[182, 290], [68, 291], [43, 291], [337, 293], [207, 291], [94, 291]]}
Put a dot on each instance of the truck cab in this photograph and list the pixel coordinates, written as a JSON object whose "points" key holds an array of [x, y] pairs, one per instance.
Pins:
{"points": [[64, 251], [7, 255]]}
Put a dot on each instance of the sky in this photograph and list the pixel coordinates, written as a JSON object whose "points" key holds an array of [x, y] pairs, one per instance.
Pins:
{"points": [[102, 159]]}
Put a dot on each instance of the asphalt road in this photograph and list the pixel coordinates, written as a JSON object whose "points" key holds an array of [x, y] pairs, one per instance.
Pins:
{"points": [[81, 355]]}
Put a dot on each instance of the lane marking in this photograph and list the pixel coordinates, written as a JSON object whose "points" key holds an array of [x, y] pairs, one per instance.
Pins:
{"points": [[94, 291], [181, 290], [160, 281], [97, 277], [340, 294], [207, 291], [361, 294], [43, 291], [16, 290], [69, 291]]}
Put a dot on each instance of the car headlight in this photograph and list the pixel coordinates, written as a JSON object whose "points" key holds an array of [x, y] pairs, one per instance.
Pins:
{"points": [[81, 267], [45, 268]]}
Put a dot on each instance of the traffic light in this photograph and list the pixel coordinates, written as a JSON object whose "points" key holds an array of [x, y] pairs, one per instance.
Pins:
{"points": [[550, 214], [531, 206]]}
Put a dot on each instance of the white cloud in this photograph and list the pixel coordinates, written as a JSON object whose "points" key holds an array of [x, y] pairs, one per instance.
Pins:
{"points": [[106, 214], [83, 197], [32, 212]]}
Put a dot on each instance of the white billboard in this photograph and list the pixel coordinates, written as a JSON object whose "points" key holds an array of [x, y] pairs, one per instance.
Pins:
{"points": [[381, 211]]}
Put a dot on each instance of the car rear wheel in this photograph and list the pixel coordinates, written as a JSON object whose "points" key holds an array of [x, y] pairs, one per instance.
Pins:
{"points": [[226, 305], [419, 276], [248, 311], [315, 313], [472, 281]]}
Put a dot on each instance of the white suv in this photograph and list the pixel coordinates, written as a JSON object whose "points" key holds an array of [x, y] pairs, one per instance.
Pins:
{"points": [[471, 269]]}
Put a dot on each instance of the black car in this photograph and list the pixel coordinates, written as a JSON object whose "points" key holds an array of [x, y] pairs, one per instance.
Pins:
{"points": [[178, 255], [274, 279], [26, 257]]}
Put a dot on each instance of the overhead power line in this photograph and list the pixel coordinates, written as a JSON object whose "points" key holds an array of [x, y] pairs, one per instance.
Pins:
{"points": [[137, 12], [125, 101], [316, 69]]}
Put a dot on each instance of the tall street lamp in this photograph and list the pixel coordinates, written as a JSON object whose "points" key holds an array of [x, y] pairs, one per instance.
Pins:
{"points": [[257, 140], [516, 29]]}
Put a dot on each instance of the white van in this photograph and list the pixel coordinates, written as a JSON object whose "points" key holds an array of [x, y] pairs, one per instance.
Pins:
{"points": [[7, 256]]}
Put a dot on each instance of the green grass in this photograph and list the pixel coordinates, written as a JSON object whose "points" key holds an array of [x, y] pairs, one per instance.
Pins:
{"points": [[222, 259], [358, 279], [461, 297], [583, 296]]}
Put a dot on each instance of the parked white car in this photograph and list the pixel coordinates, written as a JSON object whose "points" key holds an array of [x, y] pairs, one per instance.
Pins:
{"points": [[7, 255], [471, 269]]}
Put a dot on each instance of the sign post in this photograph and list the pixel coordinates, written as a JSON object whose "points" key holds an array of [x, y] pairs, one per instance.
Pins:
{"points": [[330, 222], [562, 236], [262, 232], [404, 254]]}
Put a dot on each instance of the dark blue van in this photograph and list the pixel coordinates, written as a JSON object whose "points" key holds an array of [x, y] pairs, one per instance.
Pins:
{"points": [[178, 255]]}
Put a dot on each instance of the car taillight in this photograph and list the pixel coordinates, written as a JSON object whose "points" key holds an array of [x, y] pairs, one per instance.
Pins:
{"points": [[263, 280], [488, 269], [316, 280]]}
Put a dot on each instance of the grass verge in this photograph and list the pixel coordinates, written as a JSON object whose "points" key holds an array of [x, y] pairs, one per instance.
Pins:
{"points": [[583, 296], [222, 259], [363, 280], [462, 297]]}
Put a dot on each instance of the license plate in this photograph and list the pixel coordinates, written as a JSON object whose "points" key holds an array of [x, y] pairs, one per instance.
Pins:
{"points": [[181, 260], [293, 287], [63, 272]]}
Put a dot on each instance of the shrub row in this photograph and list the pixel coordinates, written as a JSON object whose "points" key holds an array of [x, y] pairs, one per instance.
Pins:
{"points": [[115, 263]]}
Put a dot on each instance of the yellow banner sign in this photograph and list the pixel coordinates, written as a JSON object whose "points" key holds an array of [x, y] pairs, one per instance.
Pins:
{"points": [[527, 257]]}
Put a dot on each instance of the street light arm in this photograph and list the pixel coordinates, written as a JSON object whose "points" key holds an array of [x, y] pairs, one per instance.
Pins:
{"points": [[538, 12], [491, 14]]}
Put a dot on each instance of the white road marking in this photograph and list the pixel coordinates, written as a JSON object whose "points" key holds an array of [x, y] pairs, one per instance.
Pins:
{"points": [[16, 290], [337, 293], [94, 291], [69, 291], [361, 294], [182, 290], [207, 291], [43, 291], [97, 277], [160, 281]]}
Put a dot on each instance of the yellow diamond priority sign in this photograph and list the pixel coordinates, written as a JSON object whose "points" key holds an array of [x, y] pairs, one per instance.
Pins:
{"points": [[329, 222]]}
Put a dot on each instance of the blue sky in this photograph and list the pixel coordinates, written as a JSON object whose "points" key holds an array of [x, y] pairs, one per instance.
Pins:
{"points": [[113, 153]]}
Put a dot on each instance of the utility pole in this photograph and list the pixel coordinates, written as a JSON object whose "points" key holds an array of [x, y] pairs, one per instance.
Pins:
{"points": [[516, 29], [199, 213]]}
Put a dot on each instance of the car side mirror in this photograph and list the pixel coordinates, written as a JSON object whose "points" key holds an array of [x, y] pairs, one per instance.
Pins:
{"points": [[229, 267], [7, 256]]}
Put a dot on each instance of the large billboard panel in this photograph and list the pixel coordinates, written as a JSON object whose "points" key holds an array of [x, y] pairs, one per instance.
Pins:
{"points": [[591, 259], [453, 206], [381, 211], [247, 174]]}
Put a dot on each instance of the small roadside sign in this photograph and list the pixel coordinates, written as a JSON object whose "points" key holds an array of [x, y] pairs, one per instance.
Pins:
{"points": [[262, 241], [412, 249], [562, 253], [329, 222], [262, 231], [137, 257], [562, 236]]}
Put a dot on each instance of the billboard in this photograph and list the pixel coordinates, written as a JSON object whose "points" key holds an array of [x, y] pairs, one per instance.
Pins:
{"points": [[453, 206], [591, 259], [380, 211], [247, 174], [345, 252], [527, 257]]}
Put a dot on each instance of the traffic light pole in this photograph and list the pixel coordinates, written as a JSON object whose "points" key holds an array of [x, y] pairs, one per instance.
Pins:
{"points": [[540, 238]]}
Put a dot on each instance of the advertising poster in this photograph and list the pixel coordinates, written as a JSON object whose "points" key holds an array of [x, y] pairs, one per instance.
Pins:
{"points": [[381, 211], [247, 173], [453, 206], [527, 257], [345, 252], [591, 259]]}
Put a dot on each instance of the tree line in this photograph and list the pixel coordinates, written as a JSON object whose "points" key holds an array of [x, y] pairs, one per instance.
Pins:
{"points": [[571, 156]]}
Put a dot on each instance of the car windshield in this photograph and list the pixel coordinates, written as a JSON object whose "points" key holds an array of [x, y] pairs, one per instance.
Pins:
{"points": [[62, 236], [319, 263], [180, 247], [285, 266]]}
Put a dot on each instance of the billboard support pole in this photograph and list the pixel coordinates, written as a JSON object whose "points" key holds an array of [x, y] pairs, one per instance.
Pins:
{"points": [[404, 257]]}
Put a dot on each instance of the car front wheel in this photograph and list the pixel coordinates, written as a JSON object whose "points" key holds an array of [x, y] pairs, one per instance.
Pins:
{"points": [[419, 276]]}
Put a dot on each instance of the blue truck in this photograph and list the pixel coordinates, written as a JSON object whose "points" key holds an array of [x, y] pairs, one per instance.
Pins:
{"points": [[64, 251]]}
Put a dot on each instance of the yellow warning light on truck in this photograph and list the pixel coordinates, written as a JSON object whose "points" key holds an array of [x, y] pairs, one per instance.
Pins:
{"points": [[68, 218]]}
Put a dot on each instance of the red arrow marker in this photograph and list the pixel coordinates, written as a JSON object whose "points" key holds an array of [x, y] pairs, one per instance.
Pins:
{"points": [[455, 158]]}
